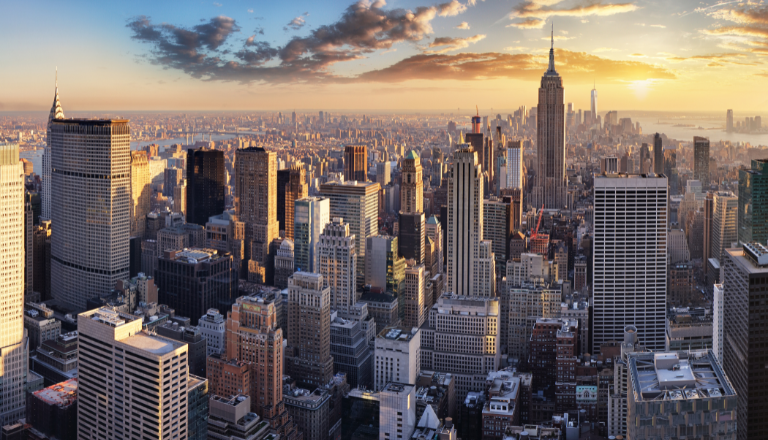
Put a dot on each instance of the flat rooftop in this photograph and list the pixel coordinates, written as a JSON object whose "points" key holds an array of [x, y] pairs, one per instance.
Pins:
{"points": [[397, 334], [671, 376], [745, 262], [61, 394], [152, 344]]}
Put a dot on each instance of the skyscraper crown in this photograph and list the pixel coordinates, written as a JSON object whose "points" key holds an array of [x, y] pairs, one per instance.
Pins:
{"points": [[56, 111]]}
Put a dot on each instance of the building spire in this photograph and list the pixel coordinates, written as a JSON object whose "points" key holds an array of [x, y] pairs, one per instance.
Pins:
{"points": [[551, 69], [56, 111]]}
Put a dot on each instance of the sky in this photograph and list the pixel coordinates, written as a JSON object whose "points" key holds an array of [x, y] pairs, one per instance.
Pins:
{"points": [[656, 55]]}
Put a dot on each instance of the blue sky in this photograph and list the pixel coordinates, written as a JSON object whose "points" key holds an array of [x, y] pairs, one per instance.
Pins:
{"points": [[643, 54]]}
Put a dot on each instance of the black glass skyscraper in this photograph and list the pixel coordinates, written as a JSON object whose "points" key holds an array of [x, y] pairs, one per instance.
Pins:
{"points": [[206, 183]]}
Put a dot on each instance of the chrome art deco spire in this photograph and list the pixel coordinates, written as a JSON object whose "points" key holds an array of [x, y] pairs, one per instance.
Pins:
{"points": [[56, 111]]}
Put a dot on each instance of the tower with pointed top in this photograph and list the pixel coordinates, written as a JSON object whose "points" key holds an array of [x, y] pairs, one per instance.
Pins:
{"points": [[550, 189], [56, 113]]}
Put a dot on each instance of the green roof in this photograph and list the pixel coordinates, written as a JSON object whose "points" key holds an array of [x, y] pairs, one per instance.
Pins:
{"points": [[412, 155]]}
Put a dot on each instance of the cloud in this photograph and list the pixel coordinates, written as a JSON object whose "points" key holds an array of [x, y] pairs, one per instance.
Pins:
{"points": [[764, 73], [213, 51], [576, 66], [637, 55], [751, 26], [362, 29], [528, 23], [542, 10], [558, 38], [661, 26], [604, 49], [515, 48], [719, 58], [218, 5], [250, 11], [295, 24], [448, 44], [451, 8], [463, 25]]}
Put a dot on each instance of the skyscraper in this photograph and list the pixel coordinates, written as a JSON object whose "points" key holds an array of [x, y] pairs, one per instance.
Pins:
{"points": [[412, 233], [338, 264], [550, 189], [291, 186], [701, 160], [384, 267], [140, 192], [256, 202], [206, 185], [124, 389], [465, 223], [311, 216], [358, 204], [645, 157], [630, 258], [56, 113], [90, 187], [356, 163], [658, 155], [745, 281], [254, 338], [729, 120], [414, 305], [753, 202], [308, 358], [13, 345], [412, 187], [195, 280], [514, 165], [724, 223], [593, 104]]}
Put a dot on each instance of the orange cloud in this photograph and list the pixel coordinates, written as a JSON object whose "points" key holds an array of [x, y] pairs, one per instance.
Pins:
{"points": [[573, 66], [448, 44], [528, 23]]}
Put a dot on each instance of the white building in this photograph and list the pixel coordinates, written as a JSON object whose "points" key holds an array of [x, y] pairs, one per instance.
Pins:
{"points": [[434, 230], [462, 338], [630, 258], [358, 204], [338, 261], [130, 382], [90, 208], [465, 225], [310, 217], [414, 304], [213, 327], [13, 342], [397, 356], [717, 322], [397, 411], [515, 165]]}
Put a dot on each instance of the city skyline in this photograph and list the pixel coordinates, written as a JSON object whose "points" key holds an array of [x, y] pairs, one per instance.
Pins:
{"points": [[381, 56]]}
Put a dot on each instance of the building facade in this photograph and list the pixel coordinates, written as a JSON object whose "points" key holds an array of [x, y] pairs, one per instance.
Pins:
{"points": [[206, 184], [123, 389], [745, 273], [338, 263], [630, 225], [90, 189]]}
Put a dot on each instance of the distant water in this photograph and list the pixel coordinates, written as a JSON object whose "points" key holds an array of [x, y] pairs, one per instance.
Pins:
{"points": [[36, 157], [712, 128]]}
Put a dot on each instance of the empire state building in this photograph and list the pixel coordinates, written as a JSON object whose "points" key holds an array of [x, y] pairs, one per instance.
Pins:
{"points": [[551, 185]]}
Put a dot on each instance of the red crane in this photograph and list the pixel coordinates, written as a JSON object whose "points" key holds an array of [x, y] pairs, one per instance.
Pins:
{"points": [[536, 231]]}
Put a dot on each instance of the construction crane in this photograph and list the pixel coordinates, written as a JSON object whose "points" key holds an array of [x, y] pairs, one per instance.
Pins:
{"points": [[536, 231]]}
